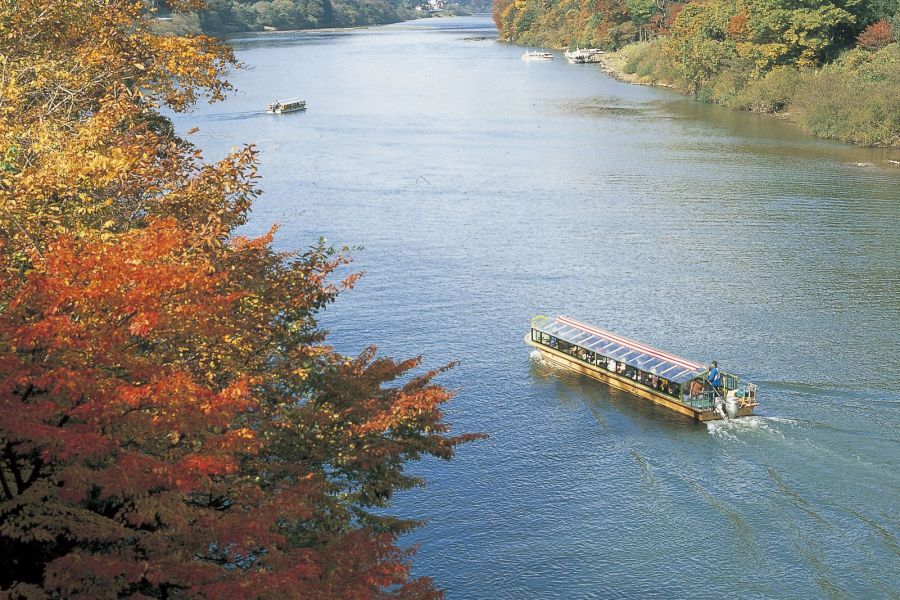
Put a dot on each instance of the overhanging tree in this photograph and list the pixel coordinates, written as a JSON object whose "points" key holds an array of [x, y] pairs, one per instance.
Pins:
{"points": [[174, 424]]}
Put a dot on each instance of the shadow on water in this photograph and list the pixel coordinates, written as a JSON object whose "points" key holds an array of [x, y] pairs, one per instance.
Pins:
{"points": [[602, 107], [289, 39], [769, 135]]}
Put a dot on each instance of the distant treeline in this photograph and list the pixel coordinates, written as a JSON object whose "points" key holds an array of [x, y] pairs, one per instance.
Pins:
{"points": [[834, 65], [230, 16]]}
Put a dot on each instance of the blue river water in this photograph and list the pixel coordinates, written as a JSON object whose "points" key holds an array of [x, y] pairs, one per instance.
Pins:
{"points": [[484, 190]]}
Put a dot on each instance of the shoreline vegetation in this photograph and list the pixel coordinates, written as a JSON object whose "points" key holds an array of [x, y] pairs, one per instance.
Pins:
{"points": [[831, 67], [230, 17]]}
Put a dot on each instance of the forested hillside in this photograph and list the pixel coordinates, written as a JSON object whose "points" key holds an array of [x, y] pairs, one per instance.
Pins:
{"points": [[229, 16], [833, 65]]}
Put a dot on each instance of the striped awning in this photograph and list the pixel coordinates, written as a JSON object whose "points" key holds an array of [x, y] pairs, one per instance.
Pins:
{"points": [[638, 355]]}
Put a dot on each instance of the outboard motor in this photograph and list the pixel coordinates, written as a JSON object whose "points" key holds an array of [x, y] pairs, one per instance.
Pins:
{"points": [[720, 408], [731, 406]]}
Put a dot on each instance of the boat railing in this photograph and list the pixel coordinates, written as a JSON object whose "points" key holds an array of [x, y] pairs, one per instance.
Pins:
{"points": [[705, 400], [750, 393], [708, 398]]}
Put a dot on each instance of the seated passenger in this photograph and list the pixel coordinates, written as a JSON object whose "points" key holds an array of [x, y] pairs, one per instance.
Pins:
{"points": [[696, 388]]}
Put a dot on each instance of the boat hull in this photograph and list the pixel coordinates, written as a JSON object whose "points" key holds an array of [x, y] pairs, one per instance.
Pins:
{"points": [[625, 384], [279, 111]]}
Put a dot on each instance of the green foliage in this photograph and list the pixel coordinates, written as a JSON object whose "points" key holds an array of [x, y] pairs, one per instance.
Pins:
{"points": [[605, 24], [699, 46], [641, 10], [796, 32], [771, 94], [855, 98], [725, 87], [648, 61], [872, 11]]}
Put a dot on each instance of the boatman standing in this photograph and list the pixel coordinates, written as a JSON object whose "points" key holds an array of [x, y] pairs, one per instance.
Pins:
{"points": [[714, 378]]}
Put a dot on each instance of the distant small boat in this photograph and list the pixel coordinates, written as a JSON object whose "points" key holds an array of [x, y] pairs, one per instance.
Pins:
{"points": [[584, 55], [537, 55], [285, 106]]}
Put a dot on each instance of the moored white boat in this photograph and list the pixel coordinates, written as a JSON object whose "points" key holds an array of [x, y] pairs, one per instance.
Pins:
{"points": [[537, 55], [583, 55]]}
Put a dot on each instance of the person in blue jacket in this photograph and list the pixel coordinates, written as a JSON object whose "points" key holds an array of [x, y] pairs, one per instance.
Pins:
{"points": [[714, 378]]}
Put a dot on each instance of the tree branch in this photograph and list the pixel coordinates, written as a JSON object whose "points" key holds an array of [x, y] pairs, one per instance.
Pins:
{"points": [[14, 467], [35, 473], [6, 490]]}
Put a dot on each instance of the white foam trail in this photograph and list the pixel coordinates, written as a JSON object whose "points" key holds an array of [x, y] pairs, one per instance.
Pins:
{"points": [[733, 429], [782, 420], [540, 359]]}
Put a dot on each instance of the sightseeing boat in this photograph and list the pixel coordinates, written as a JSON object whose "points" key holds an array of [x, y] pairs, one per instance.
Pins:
{"points": [[286, 106], [660, 377], [537, 55]]}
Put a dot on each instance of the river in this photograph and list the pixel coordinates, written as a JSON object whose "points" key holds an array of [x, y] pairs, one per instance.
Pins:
{"points": [[484, 190]]}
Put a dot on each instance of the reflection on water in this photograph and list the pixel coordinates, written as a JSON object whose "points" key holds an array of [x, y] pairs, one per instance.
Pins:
{"points": [[486, 189], [605, 107]]}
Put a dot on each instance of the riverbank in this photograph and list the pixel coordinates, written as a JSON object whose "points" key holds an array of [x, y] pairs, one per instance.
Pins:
{"points": [[852, 99], [614, 64]]}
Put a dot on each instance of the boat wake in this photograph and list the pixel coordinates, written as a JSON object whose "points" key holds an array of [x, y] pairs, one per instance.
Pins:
{"points": [[734, 430]]}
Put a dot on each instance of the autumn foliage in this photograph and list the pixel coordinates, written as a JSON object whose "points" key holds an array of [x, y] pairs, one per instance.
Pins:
{"points": [[875, 36], [174, 424]]}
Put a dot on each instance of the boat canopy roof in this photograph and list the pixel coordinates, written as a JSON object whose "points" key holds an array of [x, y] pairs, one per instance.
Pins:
{"points": [[638, 355], [290, 101]]}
